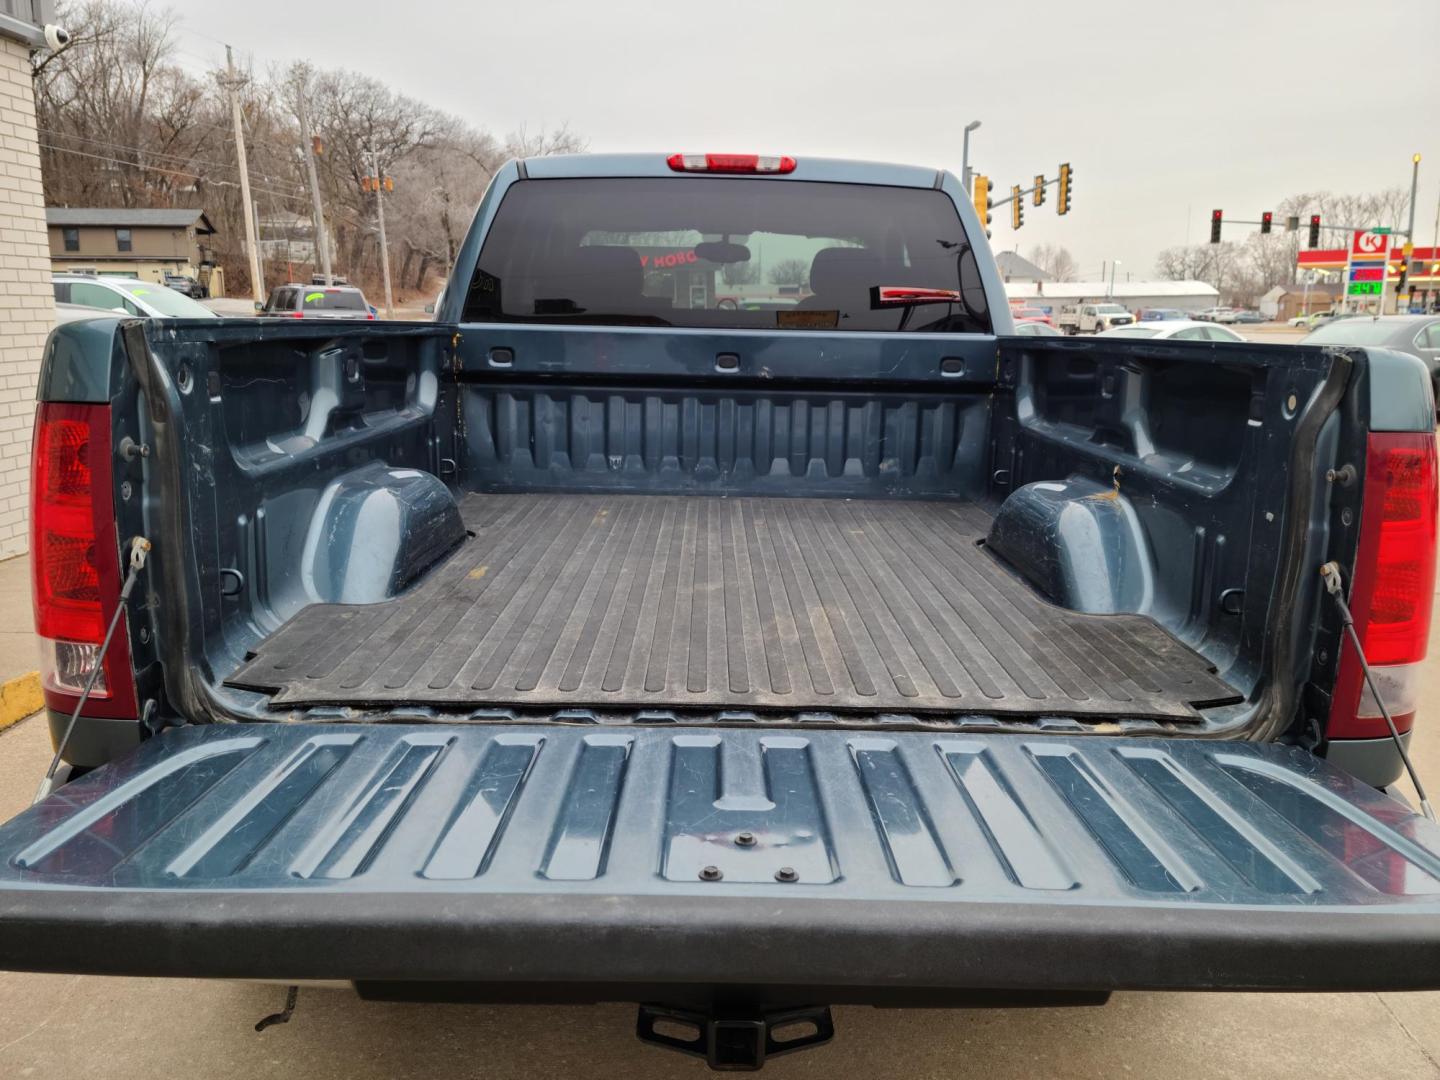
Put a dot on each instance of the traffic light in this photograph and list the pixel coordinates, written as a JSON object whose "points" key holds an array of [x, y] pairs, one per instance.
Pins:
{"points": [[389, 184], [317, 145], [982, 199], [1216, 217], [1265, 220], [365, 183], [1067, 175], [1040, 190], [1314, 230], [1017, 208]]}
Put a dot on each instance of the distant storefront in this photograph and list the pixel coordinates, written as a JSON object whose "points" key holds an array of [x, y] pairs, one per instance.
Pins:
{"points": [[1189, 296], [1424, 280], [679, 275]]}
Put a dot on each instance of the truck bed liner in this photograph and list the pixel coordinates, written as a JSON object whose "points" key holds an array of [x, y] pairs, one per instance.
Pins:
{"points": [[745, 603]]}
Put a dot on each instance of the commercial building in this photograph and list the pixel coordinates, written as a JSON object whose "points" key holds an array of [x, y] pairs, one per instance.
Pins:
{"points": [[141, 243], [1329, 266], [1285, 302], [1134, 295]]}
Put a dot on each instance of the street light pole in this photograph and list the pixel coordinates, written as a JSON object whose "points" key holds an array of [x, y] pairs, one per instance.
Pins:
{"points": [[965, 155], [1110, 289]]}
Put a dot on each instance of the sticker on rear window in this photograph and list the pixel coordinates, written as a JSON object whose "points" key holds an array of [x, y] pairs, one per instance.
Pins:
{"points": [[311, 297]]}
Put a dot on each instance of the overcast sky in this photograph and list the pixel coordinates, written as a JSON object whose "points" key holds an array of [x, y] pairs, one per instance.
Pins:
{"points": [[1166, 110]]}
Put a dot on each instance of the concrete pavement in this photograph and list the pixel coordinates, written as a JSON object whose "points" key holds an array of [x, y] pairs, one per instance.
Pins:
{"points": [[145, 1029], [19, 654]]}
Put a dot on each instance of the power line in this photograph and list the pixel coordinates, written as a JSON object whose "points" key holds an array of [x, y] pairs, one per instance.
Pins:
{"points": [[168, 171], [186, 159], [289, 196]]}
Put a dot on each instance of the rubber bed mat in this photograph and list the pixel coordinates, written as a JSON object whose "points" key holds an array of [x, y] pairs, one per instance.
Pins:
{"points": [[705, 601]]}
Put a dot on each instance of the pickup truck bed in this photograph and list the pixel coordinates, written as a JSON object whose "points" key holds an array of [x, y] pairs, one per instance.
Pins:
{"points": [[681, 601], [600, 641]]}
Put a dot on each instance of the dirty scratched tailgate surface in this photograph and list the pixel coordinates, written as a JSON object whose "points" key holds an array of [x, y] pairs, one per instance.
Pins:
{"points": [[645, 855]]}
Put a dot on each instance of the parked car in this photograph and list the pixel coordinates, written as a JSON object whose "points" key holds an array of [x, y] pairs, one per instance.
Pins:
{"points": [[1091, 318], [1161, 314], [1032, 314], [1249, 317], [1216, 315], [74, 312], [128, 296], [586, 644], [296, 301], [1175, 329], [1418, 335], [186, 285], [1325, 318], [1035, 328]]}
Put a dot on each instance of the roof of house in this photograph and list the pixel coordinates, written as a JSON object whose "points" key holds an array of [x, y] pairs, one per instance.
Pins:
{"points": [[1014, 265], [1329, 288], [128, 217], [1121, 290]]}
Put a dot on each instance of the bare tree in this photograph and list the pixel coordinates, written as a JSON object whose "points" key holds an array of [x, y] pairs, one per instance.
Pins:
{"points": [[1055, 260], [790, 272], [741, 273], [122, 124]]}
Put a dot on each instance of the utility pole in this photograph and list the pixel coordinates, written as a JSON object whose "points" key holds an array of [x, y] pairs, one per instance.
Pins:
{"points": [[965, 156], [322, 241], [380, 216], [232, 83], [1410, 235]]}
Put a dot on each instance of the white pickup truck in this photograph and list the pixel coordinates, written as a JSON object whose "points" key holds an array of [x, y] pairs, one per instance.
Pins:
{"points": [[1092, 318]]}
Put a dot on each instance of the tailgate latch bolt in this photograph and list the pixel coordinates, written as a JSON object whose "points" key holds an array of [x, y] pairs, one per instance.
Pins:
{"points": [[130, 449], [1344, 476]]}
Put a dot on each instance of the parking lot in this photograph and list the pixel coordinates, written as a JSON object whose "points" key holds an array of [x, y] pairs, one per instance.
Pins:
{"points": [[58, 1025]]}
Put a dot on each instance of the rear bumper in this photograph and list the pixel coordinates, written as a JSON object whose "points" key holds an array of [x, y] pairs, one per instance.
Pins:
{"points": [[644, 857]]}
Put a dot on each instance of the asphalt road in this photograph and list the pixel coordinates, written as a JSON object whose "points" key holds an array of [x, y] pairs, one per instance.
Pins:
{"points": [[139, 1029]]}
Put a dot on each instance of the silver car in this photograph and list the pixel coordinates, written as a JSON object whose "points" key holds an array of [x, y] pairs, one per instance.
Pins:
{"points": [[127, 296], [296, 301]]}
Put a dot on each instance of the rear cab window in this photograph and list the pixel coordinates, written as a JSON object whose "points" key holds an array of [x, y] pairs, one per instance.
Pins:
{"points": [[728, 253], [326, 298]]}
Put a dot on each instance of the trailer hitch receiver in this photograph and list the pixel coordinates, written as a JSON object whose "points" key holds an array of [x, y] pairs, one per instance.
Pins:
{"points": [[735, 1040]]}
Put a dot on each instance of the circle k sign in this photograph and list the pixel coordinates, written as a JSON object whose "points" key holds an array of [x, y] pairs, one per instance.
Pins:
{"points": [[1364, 244]]}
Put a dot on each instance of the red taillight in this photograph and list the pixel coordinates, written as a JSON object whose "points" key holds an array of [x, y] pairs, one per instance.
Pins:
{"points": [[297, 314], [731, 163], [75, 559], [1394, 585]]}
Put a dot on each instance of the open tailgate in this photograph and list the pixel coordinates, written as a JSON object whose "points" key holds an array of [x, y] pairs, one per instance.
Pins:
{"points": [[627, 855]]}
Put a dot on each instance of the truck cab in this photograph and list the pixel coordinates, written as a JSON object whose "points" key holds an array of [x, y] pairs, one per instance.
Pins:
{"points": [[1092, 318]]}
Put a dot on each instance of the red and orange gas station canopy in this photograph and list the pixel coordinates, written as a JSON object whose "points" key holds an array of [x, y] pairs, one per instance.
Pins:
{"points": [[1427, 261]]}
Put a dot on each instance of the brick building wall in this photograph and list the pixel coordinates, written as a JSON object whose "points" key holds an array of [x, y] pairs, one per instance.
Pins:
{"points": [[27, 306]]}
